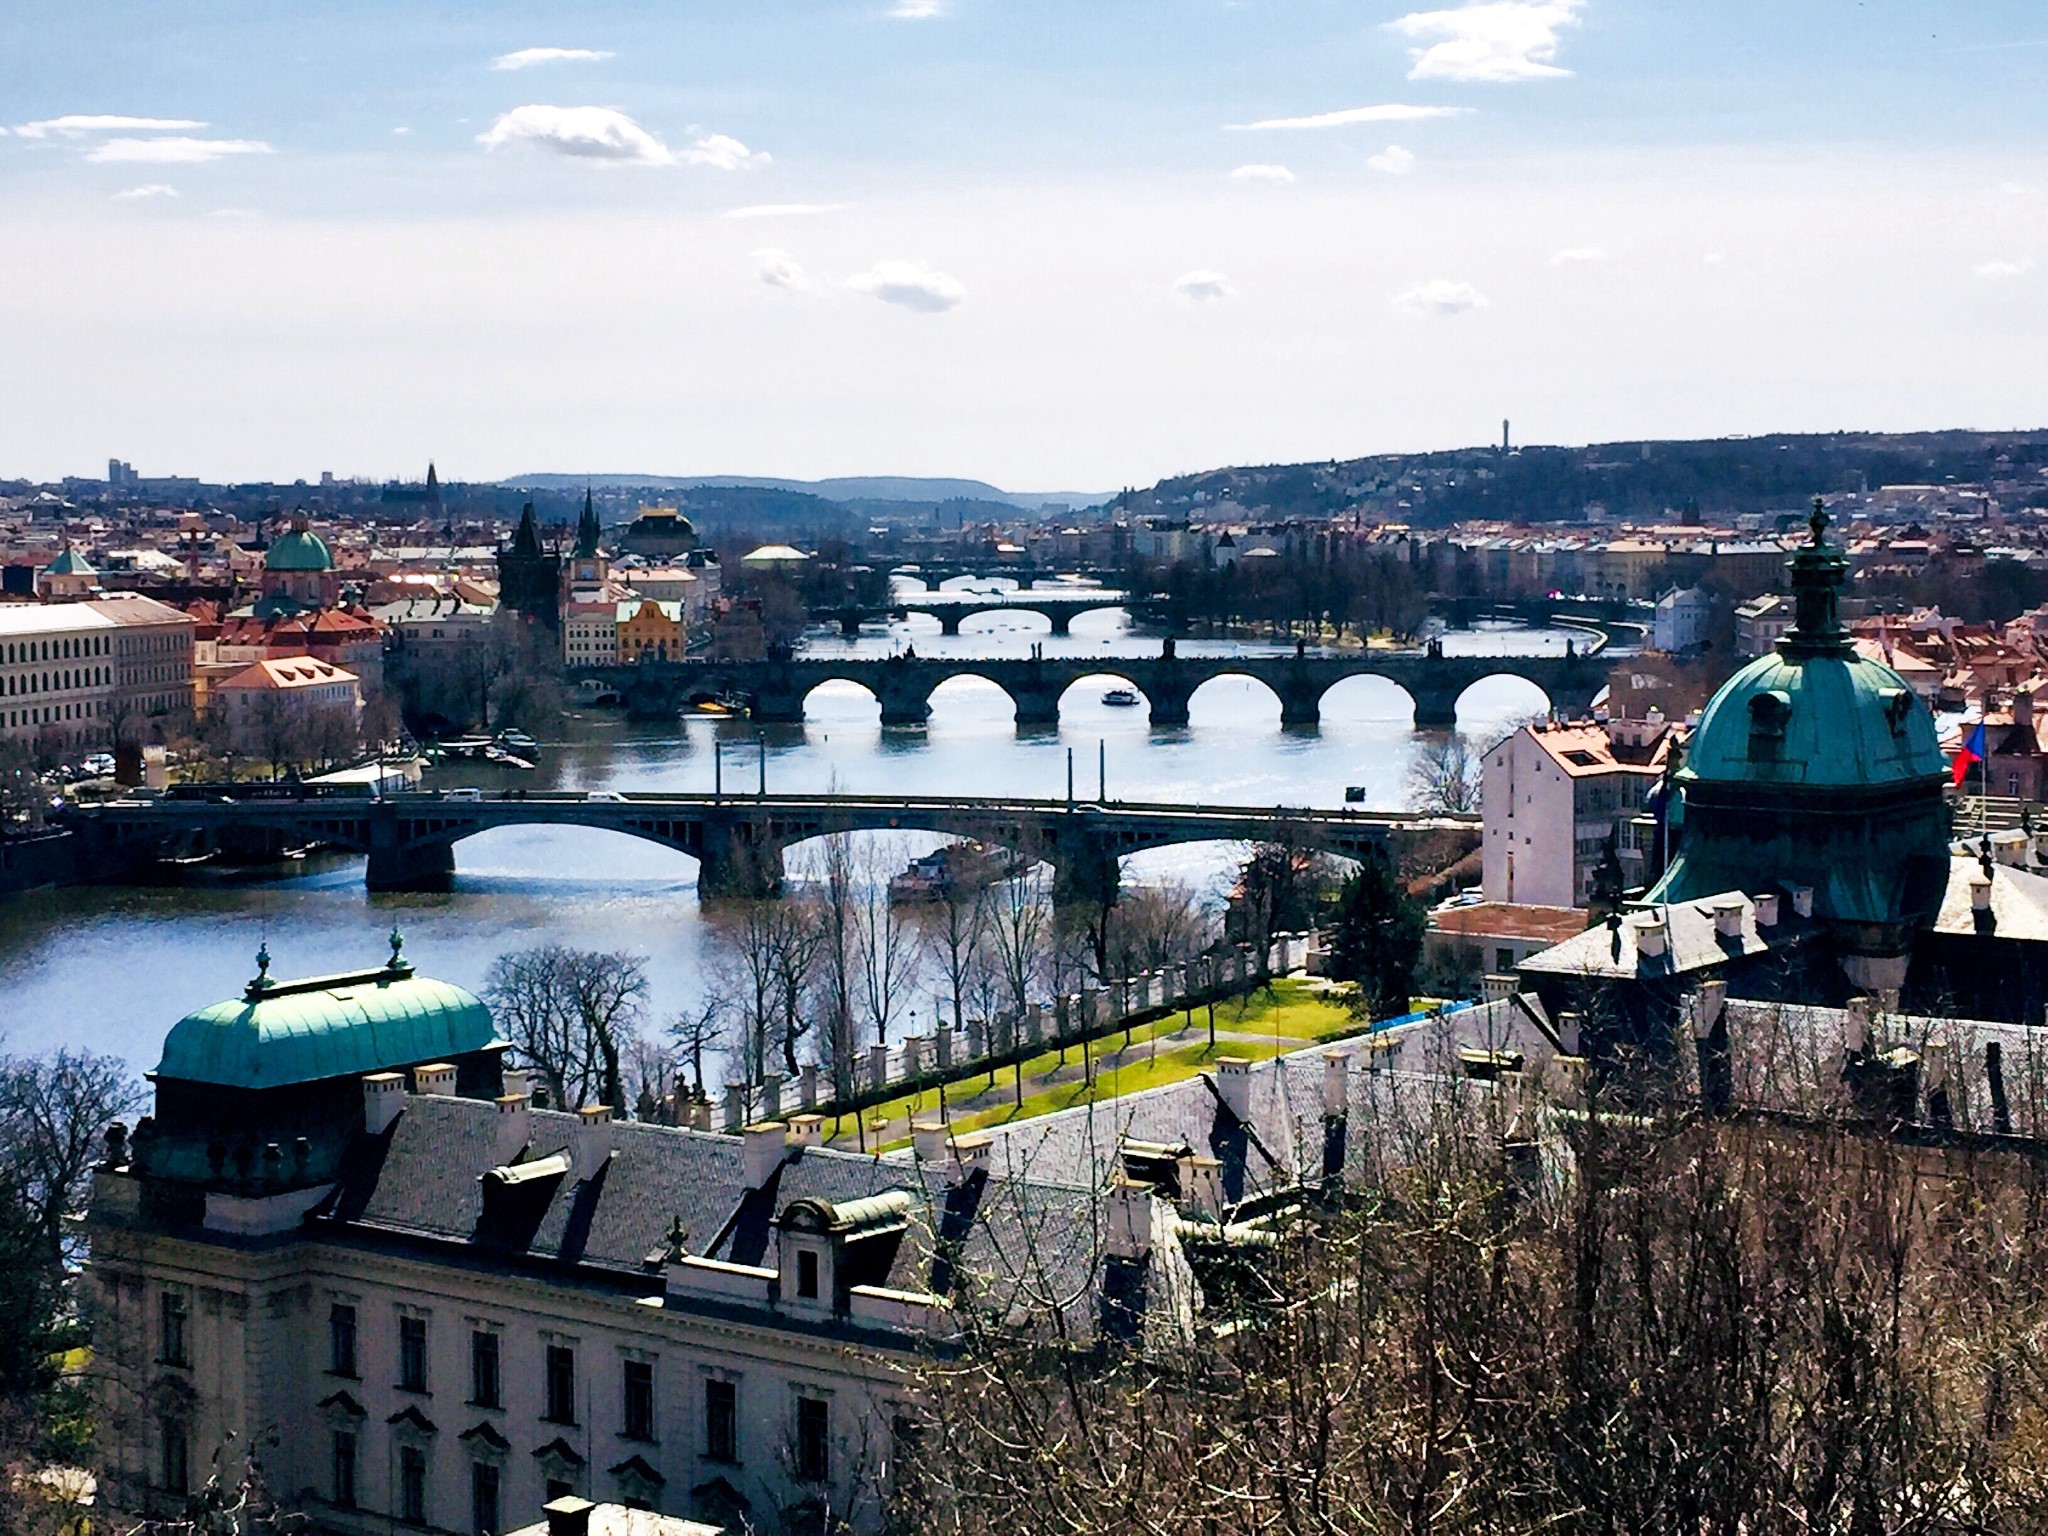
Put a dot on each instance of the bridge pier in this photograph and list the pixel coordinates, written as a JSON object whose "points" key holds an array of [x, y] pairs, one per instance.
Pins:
{"points": [[1301, 706], [949, 623], [1085, 873], [1169, 701], [732, 866], [1062, 622], [1435, 708], [411, 867]]}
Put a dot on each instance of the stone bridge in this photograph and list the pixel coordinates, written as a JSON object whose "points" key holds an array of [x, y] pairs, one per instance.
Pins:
{"points": [[776, 689], [1058, 604], [738, 840]]}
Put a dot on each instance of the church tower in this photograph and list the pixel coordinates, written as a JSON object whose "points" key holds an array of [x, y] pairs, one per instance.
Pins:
{"points": [[529, 576], [588, 568]]}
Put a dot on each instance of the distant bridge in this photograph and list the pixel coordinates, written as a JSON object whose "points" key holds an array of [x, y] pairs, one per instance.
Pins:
{"points": [[1058, 604], [776, 689], [737, 839]]}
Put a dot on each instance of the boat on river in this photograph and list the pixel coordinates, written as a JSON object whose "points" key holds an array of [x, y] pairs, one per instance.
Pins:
{"points": [[1121, 698], [956, 870]]}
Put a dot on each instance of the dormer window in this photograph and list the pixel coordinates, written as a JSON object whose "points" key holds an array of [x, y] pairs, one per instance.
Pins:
{"points": [[1768, 714], [807, 1274]]}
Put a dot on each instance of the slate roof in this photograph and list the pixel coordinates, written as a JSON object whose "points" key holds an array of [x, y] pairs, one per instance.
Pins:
{"points": [[1692, 943], [424, 1178]]}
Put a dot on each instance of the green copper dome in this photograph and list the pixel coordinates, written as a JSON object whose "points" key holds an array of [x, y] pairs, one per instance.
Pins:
{"points": [[69, 563], [1816, 767], [300, 550], [280, 1033], [1815, 720]]}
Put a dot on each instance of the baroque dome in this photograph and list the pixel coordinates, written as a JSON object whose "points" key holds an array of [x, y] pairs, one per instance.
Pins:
{"points": [[300, 550]]}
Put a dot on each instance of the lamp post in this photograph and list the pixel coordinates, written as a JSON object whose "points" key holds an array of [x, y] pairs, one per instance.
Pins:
{"points": [[717, 768], [761, 740]]}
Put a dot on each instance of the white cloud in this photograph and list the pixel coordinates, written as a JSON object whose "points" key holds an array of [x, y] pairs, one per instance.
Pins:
{"points": [[174, 150], [782, 210], [1715, 259], [585, 133], [526, 58], [779, 269], [1394, 160], [400, 132], [1439, 296], [1496, 40], [1203, 287], [1272, 175], [723, 152], [1577, 255], [149, 189], [1385, 112], [2000, 269], [91, 122], [917, 10], [910, 284]]}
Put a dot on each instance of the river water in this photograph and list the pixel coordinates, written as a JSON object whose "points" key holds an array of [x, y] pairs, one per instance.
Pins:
{"points": [[113, 969]]}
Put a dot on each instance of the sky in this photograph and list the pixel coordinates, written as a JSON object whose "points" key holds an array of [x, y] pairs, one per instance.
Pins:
{"points": [[1054, 244]]}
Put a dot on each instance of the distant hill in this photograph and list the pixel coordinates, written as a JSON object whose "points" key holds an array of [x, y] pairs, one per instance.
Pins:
{"points": [[1778, 471], [913, 489]]}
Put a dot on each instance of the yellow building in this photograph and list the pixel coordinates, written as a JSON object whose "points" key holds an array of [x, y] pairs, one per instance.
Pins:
{"points": [[651, 631]]}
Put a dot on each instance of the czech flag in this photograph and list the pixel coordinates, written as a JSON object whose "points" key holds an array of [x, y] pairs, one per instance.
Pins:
{"points": [[1969, 754]]}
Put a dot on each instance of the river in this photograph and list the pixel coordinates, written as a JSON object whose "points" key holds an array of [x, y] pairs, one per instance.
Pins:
{"points": [[112, 969]]}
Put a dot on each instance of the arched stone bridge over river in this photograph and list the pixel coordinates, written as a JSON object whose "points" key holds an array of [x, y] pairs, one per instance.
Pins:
{"points": [[776, 689], [737, 839]]}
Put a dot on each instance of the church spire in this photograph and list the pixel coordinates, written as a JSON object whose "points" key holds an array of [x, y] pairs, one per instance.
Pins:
{"points": [[433, 483], [587, 530], [526, 541]]}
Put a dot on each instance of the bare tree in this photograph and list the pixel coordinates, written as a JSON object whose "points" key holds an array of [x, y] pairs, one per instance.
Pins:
{"points": [[1018, 920], [571, 1015], [697, 1032], [1444, 776], [888, 941], [54, 1110], [836, 976], [954, 934]]}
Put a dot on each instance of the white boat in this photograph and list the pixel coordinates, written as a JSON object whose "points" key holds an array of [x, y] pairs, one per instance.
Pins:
{"points": [[1121, 698]]}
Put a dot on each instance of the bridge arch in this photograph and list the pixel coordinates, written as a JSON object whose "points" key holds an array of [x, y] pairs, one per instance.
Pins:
{"points": [[548, 850], [841, 698], [1490, 705], [963, 700], [1235, 699], [1082, 699], [1366, 698]]}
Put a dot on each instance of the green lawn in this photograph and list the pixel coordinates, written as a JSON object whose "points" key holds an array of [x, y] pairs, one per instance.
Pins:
{"points": [[1169, 1050]]}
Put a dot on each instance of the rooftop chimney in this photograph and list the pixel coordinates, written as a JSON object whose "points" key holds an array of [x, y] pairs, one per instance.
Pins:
{"points": [[1201, 1185], [383, 1098], [929, 1138], [514, 1128], [514, 1080], [1705, 1006], [1336, 1100], [806, 1131], [436, 1079], [971, 1153], [1568, 1032], [590, 1147], [1980, 894], [764, 1142], [1767, 910], [1728, 919], [1234, 1084], [1127, 1211], [1650, 936], [1802, 901]]}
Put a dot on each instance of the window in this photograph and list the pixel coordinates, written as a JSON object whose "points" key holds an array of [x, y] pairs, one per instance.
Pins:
{"points": [[341, 1340], [639, 1400], [557, 1489], [172, 1314], [561, 1384], [1503, 960], [174, 1464], [412, 1354], [412, 1485], [483, 1498], [484, 1387], [722, 1420], [344, 1469], [807, 1273], [812, 1464]]}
